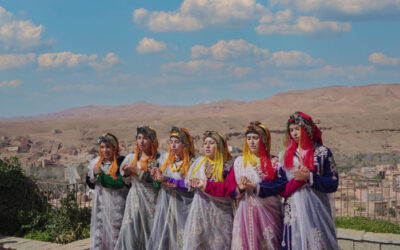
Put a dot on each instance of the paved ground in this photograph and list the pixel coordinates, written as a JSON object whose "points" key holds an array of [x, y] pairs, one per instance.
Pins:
{"points": [[7, 242]]}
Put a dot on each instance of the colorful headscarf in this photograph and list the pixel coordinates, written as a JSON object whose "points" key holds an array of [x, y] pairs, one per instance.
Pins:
{"points": [[221, 155], [310, 135], [151, 133], [264, 149], [188, 152], [112, 139]]}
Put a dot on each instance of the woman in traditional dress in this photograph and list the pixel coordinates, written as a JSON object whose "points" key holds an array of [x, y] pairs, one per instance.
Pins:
{"points": [[209, 223], [109, 194], [256, 183], [311, 171], [174, 200], [142, 196]]}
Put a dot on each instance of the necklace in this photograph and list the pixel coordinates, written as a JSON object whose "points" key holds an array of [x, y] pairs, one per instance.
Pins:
{"points": [[177, 168], [177, 159], [209, 169]]}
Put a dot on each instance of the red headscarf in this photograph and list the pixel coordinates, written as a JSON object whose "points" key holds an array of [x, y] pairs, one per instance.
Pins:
{"points": [[264, 148], [309, 136]]}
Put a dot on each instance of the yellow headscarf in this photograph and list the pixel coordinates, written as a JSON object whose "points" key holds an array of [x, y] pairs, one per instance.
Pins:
{"points": [[220, 156]]}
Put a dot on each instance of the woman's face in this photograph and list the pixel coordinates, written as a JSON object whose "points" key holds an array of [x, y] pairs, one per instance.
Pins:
{"points": [[294, 131], [176, 146], [144, 143], [209, 147], [107, 150], [253, 142]]}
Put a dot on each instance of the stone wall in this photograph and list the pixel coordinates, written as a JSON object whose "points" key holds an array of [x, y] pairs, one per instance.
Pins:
{"points": [[361, 240]]}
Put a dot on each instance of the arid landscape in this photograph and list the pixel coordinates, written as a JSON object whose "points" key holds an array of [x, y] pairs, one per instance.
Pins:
{"points": [[353, 120]]}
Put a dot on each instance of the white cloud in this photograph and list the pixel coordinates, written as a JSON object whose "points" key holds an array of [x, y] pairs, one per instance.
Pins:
{"points": [[242, 71], [19, 35], [360, 71], [107, 62], [380, 58], [84, 87], [240, 49], [349, 8], [194, 67], [63, 59], [149, 45], [10, 84], [199, 14], [232, 49], [330, 71], [301, 25], [293, 58], [10, 61]]}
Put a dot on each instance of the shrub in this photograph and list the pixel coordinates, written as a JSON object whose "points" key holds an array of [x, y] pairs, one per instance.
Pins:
{"points": [[63, 225], [21, 202], [366, 224], [24, 211]]}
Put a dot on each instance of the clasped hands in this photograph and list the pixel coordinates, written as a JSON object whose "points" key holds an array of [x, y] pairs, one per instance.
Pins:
{"points": [[301, 174], [97, 170], [246, 185], [197, 183], [157, 175], [129, 169]]}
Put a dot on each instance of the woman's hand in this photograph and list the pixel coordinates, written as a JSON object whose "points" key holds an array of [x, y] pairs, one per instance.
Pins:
{"points": [[301, 174], [158, 176], [196, 183], [129, 169], [97, 170], [246, 184], [242, 182], [154, 172], [250, 187]]}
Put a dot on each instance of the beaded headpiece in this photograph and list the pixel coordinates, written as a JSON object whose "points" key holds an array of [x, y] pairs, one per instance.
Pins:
{"points": [[109, 138], [112, 139], [258, 128], [183, 135], [221, 142], [149, 132]]}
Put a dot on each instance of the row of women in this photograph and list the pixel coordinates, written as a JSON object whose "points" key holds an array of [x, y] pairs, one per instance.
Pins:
{"points": [[174, 201]]}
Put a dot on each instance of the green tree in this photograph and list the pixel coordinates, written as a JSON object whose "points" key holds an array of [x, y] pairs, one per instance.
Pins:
{"points": [[21, 201]]}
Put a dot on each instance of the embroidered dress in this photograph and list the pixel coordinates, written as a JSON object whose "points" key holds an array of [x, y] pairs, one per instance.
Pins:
{"points": [[139, 208], [258, 218], [308, 222], [210, 220], [108, 206], [172, 209]]}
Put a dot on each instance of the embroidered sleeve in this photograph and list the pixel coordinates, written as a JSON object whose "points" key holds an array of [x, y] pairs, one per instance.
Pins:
{"points": [[274, 187], [325, 178], [291, 186], [223, 189], [179, 184], [91, 184], [108, 182]]}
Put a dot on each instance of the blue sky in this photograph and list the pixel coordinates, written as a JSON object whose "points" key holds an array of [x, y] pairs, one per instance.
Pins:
{"points": [[60, 54]]}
